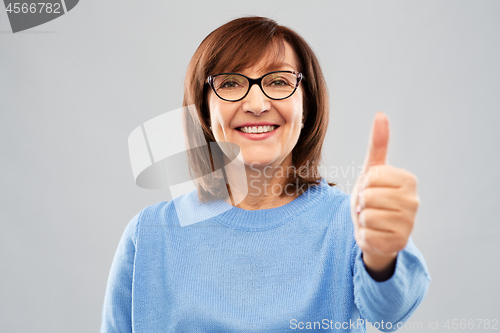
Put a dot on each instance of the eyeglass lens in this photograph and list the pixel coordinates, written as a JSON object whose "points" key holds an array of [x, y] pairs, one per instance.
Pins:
{"points": [[275, 85]]}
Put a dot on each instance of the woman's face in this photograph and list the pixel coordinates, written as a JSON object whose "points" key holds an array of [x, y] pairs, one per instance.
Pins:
{"points": [[273, 148]]}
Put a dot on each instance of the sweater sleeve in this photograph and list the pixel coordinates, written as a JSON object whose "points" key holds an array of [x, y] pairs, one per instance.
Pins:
{"points": [[394, 300], [116, 312]]}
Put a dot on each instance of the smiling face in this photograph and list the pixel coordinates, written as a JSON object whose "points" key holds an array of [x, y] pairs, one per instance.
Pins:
{"points": [[235, 121]]}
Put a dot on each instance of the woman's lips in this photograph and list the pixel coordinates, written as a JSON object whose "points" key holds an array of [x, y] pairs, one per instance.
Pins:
{"points": [[258, 136]]}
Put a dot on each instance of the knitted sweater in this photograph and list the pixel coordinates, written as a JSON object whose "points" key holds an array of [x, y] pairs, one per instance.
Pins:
{"points": [[294, 267]]}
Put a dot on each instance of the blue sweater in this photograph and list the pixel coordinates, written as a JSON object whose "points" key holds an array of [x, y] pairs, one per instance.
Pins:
{"points": [[294, 267]]}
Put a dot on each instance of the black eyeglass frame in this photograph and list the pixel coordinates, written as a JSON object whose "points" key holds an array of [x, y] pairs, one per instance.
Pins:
{"points": [[258, 81]]}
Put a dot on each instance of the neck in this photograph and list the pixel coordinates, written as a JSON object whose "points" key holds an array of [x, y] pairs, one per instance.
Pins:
{"points": [[259, 187]]}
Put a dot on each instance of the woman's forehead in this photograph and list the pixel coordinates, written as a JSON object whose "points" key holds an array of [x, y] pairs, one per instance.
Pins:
{"points": [[276, 57]]}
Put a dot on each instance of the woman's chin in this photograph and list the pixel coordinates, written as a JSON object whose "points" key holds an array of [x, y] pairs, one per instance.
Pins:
{"points": [[258, 163], [261, 159]]}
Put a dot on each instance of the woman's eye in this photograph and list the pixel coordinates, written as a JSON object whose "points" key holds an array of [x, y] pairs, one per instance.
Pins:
{"points": [[229, 84], [279, 83]]}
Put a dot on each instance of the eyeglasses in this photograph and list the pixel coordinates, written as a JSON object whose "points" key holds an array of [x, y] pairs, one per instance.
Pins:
{"points": [[233, 87]]}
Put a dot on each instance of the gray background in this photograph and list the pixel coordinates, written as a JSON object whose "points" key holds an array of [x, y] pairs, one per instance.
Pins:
{"points": [[73, 89]]}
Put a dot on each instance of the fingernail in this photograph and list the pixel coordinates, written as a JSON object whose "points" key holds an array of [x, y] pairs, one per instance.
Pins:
{"points": [[358, 209], [361, 199], [361, 220]]}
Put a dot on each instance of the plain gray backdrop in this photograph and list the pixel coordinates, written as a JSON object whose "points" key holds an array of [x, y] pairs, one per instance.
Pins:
{"points": [[73, 89]]}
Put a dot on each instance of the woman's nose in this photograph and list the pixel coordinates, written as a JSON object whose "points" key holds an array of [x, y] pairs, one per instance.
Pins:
{"points": [[255, 101]]}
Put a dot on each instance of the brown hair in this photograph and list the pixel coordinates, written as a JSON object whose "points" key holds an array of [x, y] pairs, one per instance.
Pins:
{"points": [[236, 45]]}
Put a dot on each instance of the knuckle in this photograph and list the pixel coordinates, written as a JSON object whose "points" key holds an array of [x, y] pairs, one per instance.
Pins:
{"points": [[368, 196], [411, 180], [398, 216], [409, 200], [415, 202], [406, 217], [412, 203]]}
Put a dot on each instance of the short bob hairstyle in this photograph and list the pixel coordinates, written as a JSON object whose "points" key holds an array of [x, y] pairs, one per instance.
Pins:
{"points": [[236, 45]]}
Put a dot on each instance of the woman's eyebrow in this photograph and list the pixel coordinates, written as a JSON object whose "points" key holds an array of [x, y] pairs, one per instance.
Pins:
{"points": [[280, 65], [269, 68]]}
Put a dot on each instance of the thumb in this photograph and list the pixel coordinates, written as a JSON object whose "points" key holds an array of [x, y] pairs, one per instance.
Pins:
{"points": [[379, 139]]}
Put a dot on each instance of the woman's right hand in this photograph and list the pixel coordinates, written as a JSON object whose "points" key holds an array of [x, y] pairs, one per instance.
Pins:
{"points": [[383, 205]]}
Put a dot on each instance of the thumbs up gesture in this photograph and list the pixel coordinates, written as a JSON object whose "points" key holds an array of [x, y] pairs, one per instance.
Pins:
{"points": [[383, 205]]}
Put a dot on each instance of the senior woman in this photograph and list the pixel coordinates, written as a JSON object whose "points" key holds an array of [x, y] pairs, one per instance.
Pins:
{"points": [[280, 249]]}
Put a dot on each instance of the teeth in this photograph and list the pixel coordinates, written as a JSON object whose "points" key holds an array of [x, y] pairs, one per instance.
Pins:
{"points": [[259, 129]]}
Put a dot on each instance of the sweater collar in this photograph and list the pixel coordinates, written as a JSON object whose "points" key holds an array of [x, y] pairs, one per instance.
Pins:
{"points": [[190, 210]]}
